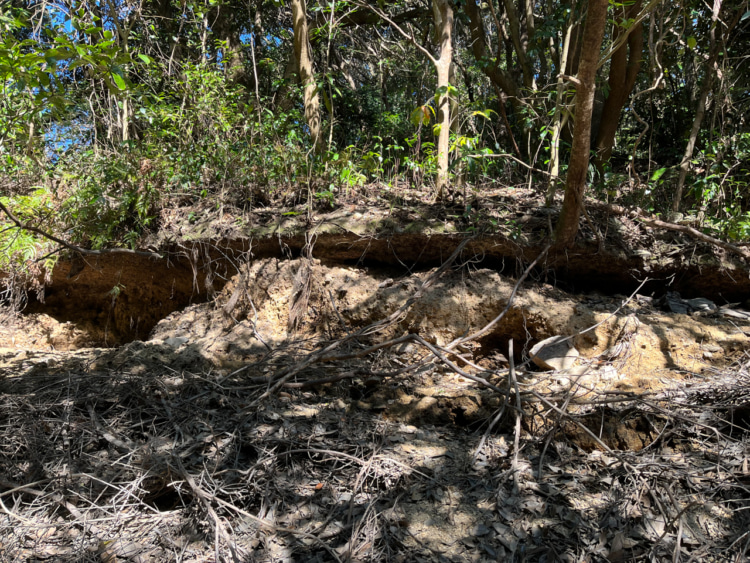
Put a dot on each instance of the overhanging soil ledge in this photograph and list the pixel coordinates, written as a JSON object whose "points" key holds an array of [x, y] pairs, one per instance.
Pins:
{"points": [[119, 298]]}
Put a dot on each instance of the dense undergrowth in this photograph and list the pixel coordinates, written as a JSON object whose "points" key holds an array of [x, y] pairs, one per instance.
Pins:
{"points": [[201, 138]]}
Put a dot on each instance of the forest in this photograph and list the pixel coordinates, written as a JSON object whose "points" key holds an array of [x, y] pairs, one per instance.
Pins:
{"points": [[114, 110], [388, 280]]}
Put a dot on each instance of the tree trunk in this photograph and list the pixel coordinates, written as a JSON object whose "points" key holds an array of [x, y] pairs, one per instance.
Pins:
{"points": [[233, 58], [501, 80], [122, 37], [527, 70], [623, 71], [499, 77], [443, 14], [700, 111], [593, 33], [560, 118], [302, 51]]}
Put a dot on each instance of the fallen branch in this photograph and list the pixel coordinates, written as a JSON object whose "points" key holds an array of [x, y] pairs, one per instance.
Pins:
{"points": [[696, 235], [640, 215]]}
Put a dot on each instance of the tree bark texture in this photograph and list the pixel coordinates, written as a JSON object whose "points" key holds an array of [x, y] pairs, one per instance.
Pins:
{"points": [[591, 44], [623, 71], [303, 54]]}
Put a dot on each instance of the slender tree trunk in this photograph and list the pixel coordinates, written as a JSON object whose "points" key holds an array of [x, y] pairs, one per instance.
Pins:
{"points": [[233, 58], [520, 46], [204, 39], [125, 117], [121, 110], [443, 14], [623, 71], [560, 117], [499, 77], [700, 111], [455, 124], [502, 81], [302, 51], [593, 33]]}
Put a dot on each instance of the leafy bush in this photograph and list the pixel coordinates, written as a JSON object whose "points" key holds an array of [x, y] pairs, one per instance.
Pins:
{"points": [[26, 259]]}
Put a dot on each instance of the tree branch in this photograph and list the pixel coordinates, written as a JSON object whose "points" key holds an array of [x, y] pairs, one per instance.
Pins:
{"points": [[398, 28], [640, 215], [30, 228]]}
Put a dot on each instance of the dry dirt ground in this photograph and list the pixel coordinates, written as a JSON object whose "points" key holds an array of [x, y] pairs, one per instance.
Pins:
{"points": [[334, 413]]}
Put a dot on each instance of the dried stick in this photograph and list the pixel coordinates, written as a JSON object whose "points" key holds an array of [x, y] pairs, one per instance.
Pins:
{"points": [[517, 438], [696, 235], [206, 500], [641, 216]]}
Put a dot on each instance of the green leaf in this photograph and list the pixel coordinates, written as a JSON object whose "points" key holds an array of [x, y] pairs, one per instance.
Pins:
{"points": [[144, 58], [327, 101], [118, 78], [119, 81], [483, 113], [692, 42], [658, 174]]}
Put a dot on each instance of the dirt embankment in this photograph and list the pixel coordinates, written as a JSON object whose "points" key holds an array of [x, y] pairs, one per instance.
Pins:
{"points": [[644, 347], [116, 298]]}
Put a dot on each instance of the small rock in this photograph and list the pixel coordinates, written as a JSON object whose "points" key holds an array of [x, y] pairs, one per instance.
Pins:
{"points": [[701, 304], [554, 353], [676, 304], [405, 348], [175, 341], [562, 381]]}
